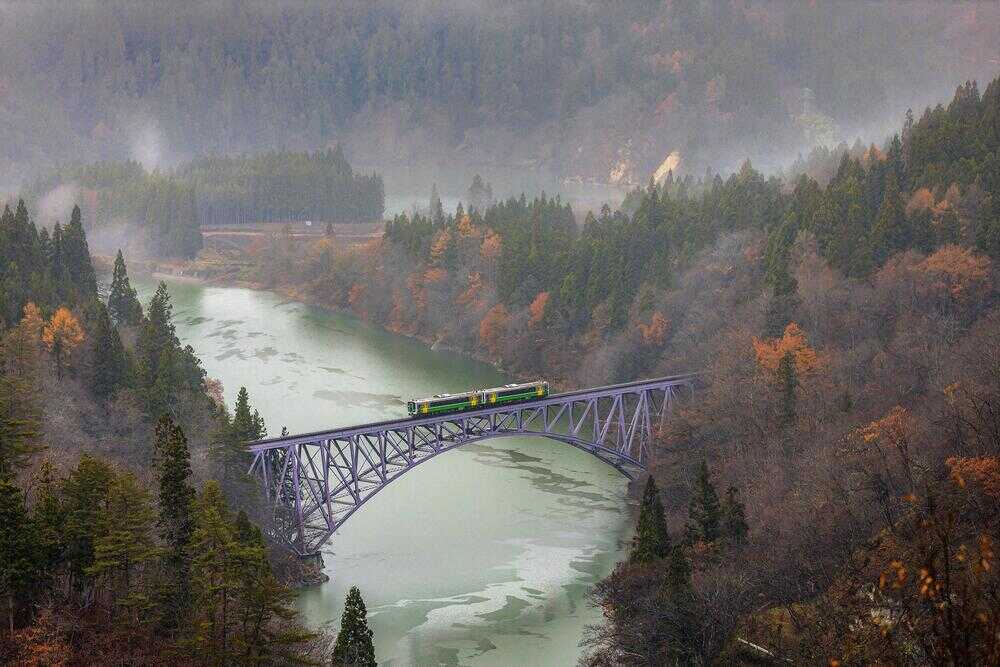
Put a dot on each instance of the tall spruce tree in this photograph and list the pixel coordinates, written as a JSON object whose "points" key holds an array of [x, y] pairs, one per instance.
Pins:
{"points": [[81, 281], [110, 363], [704, 511], [123, 304], [652, 541], [354, 645], [176, 519]]}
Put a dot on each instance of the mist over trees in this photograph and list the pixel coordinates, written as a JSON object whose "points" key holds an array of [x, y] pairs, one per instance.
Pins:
{"points": [[576, 89]]}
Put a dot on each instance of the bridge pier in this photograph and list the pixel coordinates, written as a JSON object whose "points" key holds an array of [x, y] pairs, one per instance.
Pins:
{"points": [[311, 569]]}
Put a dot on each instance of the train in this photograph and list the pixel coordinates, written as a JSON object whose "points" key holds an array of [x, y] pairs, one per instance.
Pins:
{"points": [[478, 398]]}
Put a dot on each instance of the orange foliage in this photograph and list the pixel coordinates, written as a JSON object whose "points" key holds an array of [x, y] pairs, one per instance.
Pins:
{"points": [[654, 333], [958, 271], [770, 352], [465, 226], [416, 291], [63, 333], [984, 471], [490, 249], [442, 240], [537, 308], [921, 200], [492, 327], [895, 429]]}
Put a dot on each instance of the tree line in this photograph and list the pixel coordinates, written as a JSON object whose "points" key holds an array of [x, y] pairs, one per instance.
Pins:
{"points": [[121, 540], [162, 212]]}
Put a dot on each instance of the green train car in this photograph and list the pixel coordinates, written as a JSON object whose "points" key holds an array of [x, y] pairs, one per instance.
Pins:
{"points": [[478, 398]]}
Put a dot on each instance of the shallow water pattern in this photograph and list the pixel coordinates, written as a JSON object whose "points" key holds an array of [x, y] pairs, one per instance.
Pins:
{"points": [[482, 556]]}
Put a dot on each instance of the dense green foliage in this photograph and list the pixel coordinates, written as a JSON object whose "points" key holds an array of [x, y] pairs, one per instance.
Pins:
{"points": [[354, 647], [576, 86], [652, 540]]}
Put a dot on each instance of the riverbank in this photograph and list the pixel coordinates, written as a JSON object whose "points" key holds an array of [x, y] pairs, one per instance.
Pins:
{"points": [[231, 269]]}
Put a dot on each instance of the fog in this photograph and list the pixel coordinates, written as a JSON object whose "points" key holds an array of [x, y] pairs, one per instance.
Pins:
{"points": [[577, 98]]}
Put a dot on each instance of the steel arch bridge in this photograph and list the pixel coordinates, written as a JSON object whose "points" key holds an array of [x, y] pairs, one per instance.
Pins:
{"points": [[312, 483]]}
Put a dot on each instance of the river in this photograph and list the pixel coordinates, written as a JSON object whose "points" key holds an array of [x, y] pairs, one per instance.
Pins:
{"points": [[482, 556]]}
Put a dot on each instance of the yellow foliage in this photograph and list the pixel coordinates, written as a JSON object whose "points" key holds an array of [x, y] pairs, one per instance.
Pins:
{"points": [[770, 352], [894, 429], [465, 226], [63, 332], [982, 470]]}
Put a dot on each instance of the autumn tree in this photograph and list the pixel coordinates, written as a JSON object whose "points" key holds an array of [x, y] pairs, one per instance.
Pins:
{"points": [[62, 336], [354, 645], [493, 327]]}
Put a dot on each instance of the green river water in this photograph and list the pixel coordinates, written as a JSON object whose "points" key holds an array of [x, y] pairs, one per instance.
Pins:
{"points": [[482, 556]]}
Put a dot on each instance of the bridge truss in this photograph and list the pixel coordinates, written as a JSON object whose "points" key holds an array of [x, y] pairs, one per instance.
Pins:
{"points": [[312, 483]]}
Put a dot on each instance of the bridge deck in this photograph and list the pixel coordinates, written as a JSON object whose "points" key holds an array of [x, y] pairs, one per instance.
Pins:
{"points": [[405, 422]]}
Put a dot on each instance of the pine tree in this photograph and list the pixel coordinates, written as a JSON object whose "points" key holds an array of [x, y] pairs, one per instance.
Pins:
{"points": [[20, 425], [704, 512], [123, 304], [652, 541], [80, 277], [247, 425], [228, 447], [49, 519], [889, 232], [176, 519], [110, 365], [125, 544], [18, 571], [354, 641], [84, 493], [213, 552], [788, 382], [734, 521]]}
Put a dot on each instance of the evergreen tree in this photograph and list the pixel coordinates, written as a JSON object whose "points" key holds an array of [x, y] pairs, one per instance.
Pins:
{"points": [[81, 282], [214, 556], [125, 545], [247, 425], [20, 436], [889, 232], [123, 304], [84, 494], [110, 363], [18, 570], [652, 541], [49, 519], [176, 519], [788, 382], [734, 521], [704, 511], [436, 209], [354, 641]]}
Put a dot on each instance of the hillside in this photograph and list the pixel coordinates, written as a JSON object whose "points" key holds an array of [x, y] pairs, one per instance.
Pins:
{"points": [[585, 91]]}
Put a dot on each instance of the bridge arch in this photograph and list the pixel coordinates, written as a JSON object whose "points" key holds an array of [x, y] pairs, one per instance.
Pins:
{"points": [[313, 483]]}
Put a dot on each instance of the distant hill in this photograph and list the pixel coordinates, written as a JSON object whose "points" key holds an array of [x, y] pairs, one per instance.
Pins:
{"points": [[585, 91]]}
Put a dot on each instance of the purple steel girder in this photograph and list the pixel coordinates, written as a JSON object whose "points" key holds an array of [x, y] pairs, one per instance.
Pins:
{"points": [[313, 482]]}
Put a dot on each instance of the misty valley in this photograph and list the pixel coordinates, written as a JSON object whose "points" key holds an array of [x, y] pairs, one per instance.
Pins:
{"points": [[648, 333]]}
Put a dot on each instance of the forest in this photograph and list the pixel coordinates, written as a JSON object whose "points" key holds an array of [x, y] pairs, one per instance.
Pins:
{"points": [[830, 495], [126, 518], [160, 213], [579, 89]]}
